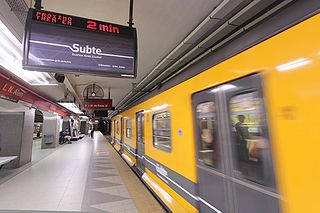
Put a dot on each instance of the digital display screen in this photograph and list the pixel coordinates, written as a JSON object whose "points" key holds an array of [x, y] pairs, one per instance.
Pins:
{"points": [[69, 44], [101, 113]]}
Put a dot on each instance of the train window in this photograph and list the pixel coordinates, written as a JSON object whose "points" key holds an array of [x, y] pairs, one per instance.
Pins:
{"points": [[251, 147], [161, 131], [128, 128], [117, 127], [139, 127], [206, 117]]}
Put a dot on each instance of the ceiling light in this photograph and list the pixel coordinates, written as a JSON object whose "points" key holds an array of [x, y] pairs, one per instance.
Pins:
{"points": [[35, 84], [11, 60], [71, 106], [126, 75]]}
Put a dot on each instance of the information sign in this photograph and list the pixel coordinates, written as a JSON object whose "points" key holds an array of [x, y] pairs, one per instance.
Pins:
{"points": [[69, 44]]}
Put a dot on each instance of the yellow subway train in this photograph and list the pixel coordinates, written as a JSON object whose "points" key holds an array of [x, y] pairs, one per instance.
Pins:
{"points": [[242, 136]]}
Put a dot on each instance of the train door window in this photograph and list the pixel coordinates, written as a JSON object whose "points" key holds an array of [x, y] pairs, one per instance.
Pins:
{"points": [[139, 127], [128, 128], [161, 131], [206, 118], [250, 144]]}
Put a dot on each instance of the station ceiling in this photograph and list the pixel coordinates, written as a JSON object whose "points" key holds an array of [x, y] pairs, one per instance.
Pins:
{"points": [[166, 28], [161, 25]]}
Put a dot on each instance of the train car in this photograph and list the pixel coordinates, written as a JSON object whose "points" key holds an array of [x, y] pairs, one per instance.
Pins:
{"points": [[242, 136]]}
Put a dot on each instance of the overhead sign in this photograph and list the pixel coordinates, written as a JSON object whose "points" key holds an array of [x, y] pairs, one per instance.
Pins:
{"points": [[64, 43], [98, 103]]}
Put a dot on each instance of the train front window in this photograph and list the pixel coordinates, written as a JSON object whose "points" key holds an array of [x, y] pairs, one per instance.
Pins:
{"points": [[251, 147], [161, 125], [206, 116]]}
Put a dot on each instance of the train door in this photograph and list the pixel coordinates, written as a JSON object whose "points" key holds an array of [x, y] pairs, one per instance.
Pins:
{"points": [[122, 135], [251, 168], [237, 155], [114, 132], [210, 166], [140, 141]]}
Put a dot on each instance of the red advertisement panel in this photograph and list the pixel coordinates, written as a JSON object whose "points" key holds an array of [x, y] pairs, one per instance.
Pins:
{"points": [[16, 91]]}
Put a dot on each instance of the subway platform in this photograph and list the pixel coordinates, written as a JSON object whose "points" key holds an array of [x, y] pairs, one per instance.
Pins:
{"points": [[86, 176]]}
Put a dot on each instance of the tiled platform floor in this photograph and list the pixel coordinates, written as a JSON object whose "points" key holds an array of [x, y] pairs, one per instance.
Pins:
{"points": [[140, 195], [86, 176], [37, 155]]}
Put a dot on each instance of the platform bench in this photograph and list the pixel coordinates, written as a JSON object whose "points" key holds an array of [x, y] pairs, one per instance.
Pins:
{"points": [[78, 137], [5, 160]]}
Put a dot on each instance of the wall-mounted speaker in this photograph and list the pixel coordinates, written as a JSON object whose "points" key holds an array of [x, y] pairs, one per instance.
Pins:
{"points": [[59, 77]]}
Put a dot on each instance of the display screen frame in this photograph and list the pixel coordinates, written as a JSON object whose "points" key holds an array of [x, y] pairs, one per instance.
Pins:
{"points": [[129, 32], [101, 113]]}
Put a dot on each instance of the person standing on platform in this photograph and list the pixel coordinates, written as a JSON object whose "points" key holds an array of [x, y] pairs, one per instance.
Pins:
{"points": [[91, 130], [243, 135]]}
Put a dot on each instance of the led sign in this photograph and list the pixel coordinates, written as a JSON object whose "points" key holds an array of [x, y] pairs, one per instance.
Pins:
{"points": [[98, 104], [64, 43]]}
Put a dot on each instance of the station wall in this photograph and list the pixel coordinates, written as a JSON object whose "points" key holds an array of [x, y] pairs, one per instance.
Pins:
{"points": [[16, 130]]}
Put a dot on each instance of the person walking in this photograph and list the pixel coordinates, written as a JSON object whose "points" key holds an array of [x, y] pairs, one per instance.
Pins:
{"points": [[91, 130]]}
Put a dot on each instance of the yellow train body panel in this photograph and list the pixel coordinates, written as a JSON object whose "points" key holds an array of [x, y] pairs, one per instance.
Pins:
{"points": [[174, 201], [292, 101], [133, 159]]}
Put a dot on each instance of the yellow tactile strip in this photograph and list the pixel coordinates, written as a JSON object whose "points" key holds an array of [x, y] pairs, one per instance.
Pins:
{"points": [[142, 198]]}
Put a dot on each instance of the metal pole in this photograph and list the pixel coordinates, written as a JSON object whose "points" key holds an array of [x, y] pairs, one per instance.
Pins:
{"points": [[87, 93], [37, 4], [109, 93], [130, 22]]}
